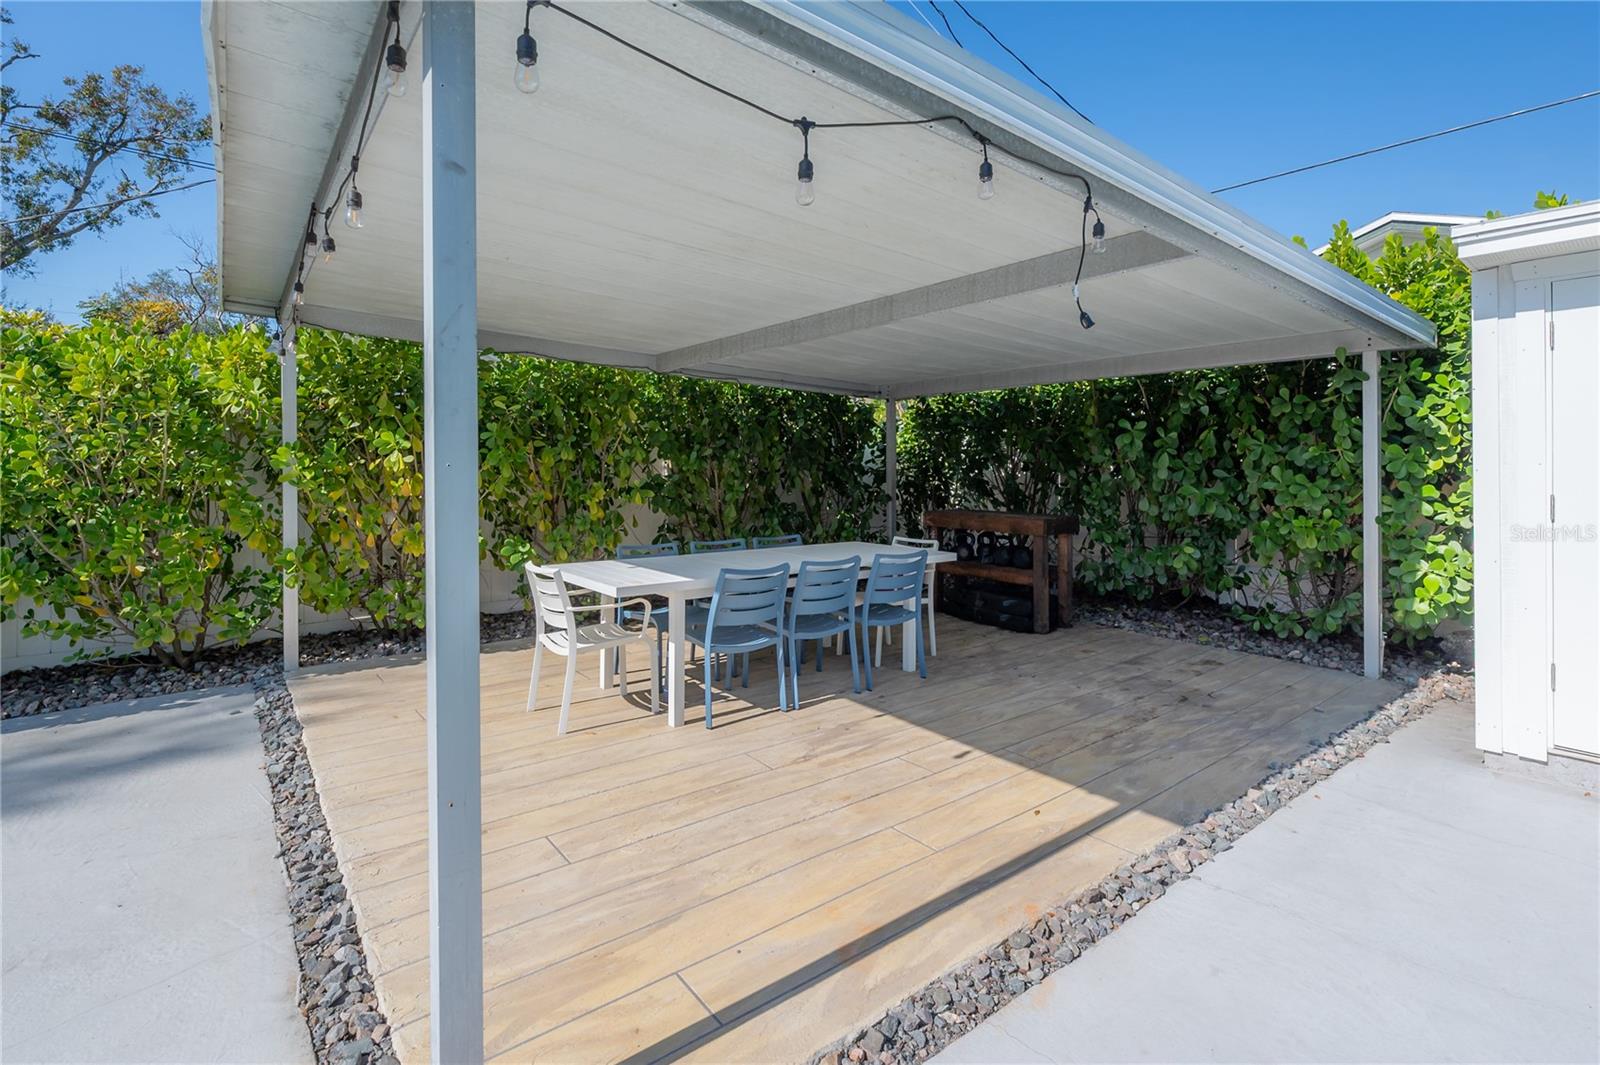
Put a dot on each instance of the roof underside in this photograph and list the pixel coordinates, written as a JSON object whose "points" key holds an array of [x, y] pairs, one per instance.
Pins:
{"points": [[627, 215]]}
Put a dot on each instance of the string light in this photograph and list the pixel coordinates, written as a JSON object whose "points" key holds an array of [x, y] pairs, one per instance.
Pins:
{"points": [[527, 73], [805, 193], [391, 75], [394, 57], [1083, 241], [352, 203], [805, 188]]}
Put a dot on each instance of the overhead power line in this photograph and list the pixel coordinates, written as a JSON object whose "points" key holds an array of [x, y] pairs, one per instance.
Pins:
{"points": [[108, 203], [147, 153], [937, 10], [1411, 140], [1024, 63]]}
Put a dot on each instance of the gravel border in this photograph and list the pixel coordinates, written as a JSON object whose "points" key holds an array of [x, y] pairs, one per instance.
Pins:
{"points": [[1207, 623], [25, 692], [947, 1008], [335, 992]]}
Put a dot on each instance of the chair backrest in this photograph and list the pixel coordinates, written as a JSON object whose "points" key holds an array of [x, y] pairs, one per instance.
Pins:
{"points": [[647, 550], [552, 603], [826, 587], [896, 578], [701, 547], [912, 541], [786, 540], [748, 597]]}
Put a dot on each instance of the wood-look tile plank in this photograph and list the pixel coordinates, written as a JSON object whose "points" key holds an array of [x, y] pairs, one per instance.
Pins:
{"points": [[628, 866]]}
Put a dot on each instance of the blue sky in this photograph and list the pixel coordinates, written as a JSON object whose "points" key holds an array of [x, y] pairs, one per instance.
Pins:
{"points": [[1218, 92]]}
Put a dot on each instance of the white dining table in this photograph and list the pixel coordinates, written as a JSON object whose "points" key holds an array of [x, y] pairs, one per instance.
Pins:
{"points": [[680, 578]]}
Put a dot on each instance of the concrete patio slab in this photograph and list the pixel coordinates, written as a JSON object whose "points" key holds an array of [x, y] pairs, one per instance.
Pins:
{"points": [[144, 915], [1413, 907]]}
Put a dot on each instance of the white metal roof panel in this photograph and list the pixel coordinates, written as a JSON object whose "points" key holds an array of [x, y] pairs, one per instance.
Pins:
{"points": [[627, 215]]}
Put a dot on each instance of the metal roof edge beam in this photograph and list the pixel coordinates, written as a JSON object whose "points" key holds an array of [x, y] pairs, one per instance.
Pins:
{"points": [[396, 328], [798, 384], [1130, 252], [1277, 349]]}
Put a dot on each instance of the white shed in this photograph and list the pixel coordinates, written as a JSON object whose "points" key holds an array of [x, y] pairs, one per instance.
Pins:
{"points": [[1536, 478]]}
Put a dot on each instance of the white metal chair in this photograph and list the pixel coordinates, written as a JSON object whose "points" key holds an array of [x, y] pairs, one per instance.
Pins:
{"points": [[555, 626], [927, 601]]}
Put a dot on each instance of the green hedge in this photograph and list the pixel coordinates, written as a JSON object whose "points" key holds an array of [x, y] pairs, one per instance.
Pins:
{"points": [[1244, 479], [132, 484], [565, 449], [139, 465]]}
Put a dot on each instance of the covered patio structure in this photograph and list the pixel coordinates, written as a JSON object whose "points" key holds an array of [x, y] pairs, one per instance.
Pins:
{"points": [[639, 210]]}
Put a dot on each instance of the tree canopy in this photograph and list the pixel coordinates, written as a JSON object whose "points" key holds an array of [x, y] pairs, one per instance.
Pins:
{"points": [[90, 158]]}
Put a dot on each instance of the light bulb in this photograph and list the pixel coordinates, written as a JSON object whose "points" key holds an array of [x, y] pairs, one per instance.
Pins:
{"points": [[394, 77], [805, 193], [527, 79], [986, 180], [299, 293], [328, 248], [352, 210], [1099, 233]]}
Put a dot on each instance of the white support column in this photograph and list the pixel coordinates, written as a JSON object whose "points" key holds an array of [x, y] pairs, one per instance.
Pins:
{"points": [[891, 486], [289, 403], [450, 427], [1371, 538]]}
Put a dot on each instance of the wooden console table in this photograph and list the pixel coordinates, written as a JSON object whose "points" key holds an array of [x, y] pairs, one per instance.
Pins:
{"points": [[1039, 526]]}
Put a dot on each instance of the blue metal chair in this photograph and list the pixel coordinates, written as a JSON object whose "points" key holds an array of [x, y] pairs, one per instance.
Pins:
{"points": [[746, 615], [658, 610], [823, 603], [661, 550], [698, 608], [701, 547], [894, 597], [785, 540]]}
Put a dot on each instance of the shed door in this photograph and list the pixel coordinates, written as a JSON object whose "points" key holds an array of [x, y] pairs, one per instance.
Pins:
{"points": [[1575, 480]]}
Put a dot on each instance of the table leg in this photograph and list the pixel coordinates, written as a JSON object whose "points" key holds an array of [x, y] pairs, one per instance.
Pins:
{"points": [[606, 680], [677, 658], [908, 640]]}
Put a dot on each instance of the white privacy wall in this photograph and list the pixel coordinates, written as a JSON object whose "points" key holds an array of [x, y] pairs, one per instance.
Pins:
{"points": [[1535, 405], [498, 592]]}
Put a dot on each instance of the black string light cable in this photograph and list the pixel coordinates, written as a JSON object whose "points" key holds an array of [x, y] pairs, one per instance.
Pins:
{"points": [[805, 193], [390, 73], [391, 70]]}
